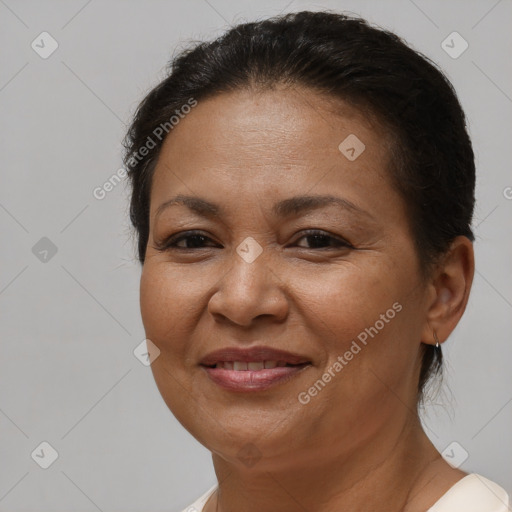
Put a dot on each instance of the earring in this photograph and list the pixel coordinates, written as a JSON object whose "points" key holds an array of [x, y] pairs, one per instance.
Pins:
{"points": [[436, 339]]}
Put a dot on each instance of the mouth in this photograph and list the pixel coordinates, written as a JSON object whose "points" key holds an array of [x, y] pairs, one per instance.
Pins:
{"points": [[255, 369], [244, 366]]}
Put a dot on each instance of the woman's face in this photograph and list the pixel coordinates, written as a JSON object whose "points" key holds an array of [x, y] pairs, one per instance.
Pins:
{"points": [[347, 299]]}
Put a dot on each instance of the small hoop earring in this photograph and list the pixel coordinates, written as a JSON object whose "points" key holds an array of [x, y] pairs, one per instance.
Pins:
{"points": [[436, 339]]}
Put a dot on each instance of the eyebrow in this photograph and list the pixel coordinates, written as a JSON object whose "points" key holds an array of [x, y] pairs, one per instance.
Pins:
{"points": [[282, 209]]}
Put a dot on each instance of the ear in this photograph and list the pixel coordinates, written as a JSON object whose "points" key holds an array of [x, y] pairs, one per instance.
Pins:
{"points": [[450, 286]]}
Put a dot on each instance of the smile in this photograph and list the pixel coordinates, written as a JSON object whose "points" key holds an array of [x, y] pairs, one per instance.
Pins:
{"points": [[238, 366], [241, 376]]}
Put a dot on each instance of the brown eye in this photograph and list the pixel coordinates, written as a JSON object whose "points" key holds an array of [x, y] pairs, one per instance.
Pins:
{"points": [[322, 240], [185, 241]]}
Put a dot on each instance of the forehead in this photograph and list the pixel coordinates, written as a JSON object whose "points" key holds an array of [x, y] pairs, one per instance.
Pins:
{"points": [[288, 140], [280, 117]]}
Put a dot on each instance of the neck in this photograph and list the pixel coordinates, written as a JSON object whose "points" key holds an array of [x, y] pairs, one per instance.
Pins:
{"points": [[386, 474]]}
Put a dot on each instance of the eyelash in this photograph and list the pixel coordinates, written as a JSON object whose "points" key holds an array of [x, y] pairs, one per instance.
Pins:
{"points": [[171, 242]]}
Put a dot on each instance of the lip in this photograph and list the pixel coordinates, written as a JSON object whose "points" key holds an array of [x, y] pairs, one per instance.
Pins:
{"points": [[258, 353], [253, 380]]}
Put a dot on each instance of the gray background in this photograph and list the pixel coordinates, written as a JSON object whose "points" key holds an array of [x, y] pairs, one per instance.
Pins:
{"points": [[69, 325]]}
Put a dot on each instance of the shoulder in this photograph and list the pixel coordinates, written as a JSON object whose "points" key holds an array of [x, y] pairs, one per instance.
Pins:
{"points": [[473, 493], [198, 505]]}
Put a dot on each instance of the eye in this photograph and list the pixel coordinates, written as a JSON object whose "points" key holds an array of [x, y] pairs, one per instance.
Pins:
{"points": [[191, 240], [322, 240], [184, 241]]}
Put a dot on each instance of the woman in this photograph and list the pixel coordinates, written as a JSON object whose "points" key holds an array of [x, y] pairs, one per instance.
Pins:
{"points": [[303, 189]]}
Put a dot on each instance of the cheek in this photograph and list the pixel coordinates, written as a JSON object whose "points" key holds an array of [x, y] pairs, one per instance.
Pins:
{"points": [[368, 357], [342, 303], [169, 305], [166, 303], [367, 315], [153, 302]]}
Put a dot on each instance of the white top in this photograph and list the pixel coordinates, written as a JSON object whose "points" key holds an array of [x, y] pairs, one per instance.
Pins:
{"points": [[473, 493]]}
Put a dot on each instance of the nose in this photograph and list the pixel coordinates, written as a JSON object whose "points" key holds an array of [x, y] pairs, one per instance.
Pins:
{"points": [[249, 290]]}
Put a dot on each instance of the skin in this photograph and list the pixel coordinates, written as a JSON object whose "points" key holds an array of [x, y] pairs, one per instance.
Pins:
{"points": [[358, 444]]}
